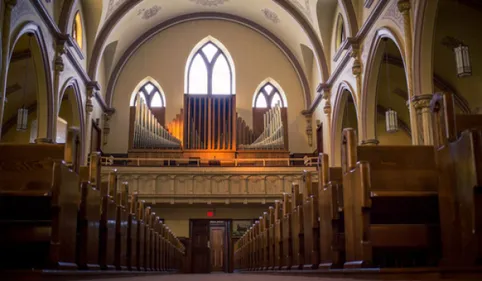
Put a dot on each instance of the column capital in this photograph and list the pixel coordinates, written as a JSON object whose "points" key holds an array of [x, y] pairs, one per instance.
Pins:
{"points": [[356, 68], [421, 101], [403, 6]]}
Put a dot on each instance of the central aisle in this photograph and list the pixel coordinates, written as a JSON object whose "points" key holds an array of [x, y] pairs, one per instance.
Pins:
{"points": [[223, 277]]}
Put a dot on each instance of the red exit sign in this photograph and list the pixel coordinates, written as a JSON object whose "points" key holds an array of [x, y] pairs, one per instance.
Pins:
{"points": [[210, 214]]}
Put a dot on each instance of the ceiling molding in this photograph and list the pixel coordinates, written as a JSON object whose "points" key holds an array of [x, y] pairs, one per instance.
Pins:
{"points": [[206, 16]]}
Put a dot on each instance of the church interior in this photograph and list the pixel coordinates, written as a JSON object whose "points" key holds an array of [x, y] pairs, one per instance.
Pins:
{"points": [[254, 139]]}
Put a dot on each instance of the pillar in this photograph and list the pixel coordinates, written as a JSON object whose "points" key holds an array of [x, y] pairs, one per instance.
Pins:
{"points": [[7, 18], [58, 69], [92, 88], [424, 114], [404, 7]]}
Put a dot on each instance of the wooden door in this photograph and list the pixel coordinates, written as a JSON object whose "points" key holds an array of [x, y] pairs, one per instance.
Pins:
{"points": [[201, 260], [217, 248]]}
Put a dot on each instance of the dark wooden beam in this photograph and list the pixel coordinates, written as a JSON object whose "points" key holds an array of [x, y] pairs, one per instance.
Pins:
{"points": [[21, 55], [12, 89]]}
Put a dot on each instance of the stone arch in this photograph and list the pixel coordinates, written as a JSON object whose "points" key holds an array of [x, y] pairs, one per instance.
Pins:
{"points": [[368, 100], [343, 92], [45, 93]]}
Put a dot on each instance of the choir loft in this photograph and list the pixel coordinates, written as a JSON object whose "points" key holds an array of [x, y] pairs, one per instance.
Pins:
{"points": [[294, 137]]}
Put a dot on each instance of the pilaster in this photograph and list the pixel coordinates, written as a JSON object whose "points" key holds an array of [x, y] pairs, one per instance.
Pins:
{"points": [[7, 18], [422, 107]]}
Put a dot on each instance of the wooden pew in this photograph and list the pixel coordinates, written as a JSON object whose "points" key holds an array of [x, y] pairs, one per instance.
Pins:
{"points": [[108, 223], [141, 236], [391, 205], [264, 241], [278, 236], [271, 238], [90, 215], [163, 247], [122, 222], [147, 239], [310, 222], [39, 203], [250, 248], [458, 139], [332, 224], [297, 228], [287, 241], [257, 246], [153, 241], [132, 234]]}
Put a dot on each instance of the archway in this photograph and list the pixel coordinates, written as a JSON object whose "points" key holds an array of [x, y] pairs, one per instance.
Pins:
{"points": [[345, 116], [28, 88]]}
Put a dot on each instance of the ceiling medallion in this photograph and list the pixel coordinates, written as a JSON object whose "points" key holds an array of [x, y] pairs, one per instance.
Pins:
{"points": [[149, 13], [270, 15], [209, 3], [306, 8]]}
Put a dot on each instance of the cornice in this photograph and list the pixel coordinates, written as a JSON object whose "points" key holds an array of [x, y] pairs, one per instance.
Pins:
{"points": [[61, 37], [349, 44]]}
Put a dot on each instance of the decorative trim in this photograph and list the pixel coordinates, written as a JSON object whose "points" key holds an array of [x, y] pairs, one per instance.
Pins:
{"points": [[149, 13], [270, 15], [360, 36], [209, 3], [205, 16], [59, 37], [368, 3]]}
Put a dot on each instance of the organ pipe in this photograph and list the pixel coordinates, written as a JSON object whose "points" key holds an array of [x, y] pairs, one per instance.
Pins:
{"points": [[272, 137], [148, 133]]}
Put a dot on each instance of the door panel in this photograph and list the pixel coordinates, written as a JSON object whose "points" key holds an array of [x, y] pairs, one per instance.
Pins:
{"points": [[217, 248], [200, 246]]}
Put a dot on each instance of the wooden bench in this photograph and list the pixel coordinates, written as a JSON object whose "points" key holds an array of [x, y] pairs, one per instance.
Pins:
{"points": [[287, 243], [108, 223], [271, 237], [141, 236], [332, 223], [40, 197], [297, 228], [122, 222], [391, 205], [132, 234], [458, 139], [311, 229], [89, 215], [278, 236], [147, 239]]}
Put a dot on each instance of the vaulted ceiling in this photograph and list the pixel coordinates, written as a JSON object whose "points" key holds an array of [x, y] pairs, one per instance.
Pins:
{"points": [[294, 22]]}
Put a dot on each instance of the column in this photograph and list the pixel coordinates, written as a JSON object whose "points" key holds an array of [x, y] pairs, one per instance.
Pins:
{"points": [[7, 18], [106, 129], [424, 114], [309, 129], [92, 88], [404, 8], [58, 69], [327, 127]]}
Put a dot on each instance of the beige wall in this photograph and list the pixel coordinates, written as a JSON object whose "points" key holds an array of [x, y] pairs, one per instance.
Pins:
{"points": [[164, 58], [177, 218]]}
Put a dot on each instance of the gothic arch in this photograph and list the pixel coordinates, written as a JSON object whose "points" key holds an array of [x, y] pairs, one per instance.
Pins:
{"points": [[344, 91], [368, 100]]}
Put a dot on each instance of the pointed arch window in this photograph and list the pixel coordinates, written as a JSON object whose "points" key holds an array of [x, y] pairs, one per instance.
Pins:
{"points": [[77, 31], [268, 96], [151, 94], [210, 72], [340, 32]]}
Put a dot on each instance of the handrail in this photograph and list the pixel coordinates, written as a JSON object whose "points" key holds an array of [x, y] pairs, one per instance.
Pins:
{"points": [[173, 162]]}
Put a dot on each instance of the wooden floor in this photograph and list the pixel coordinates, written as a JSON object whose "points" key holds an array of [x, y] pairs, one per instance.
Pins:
{"points": [[251, 277]]}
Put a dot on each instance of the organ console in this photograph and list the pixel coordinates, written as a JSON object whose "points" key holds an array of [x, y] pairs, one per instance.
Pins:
{"points": [[147, 132]]}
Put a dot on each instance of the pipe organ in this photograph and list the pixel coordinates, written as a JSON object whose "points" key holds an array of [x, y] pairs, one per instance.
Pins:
{"points": [[176, 126], [244, 134], [147, 132], [272, 137], [210, 122]]}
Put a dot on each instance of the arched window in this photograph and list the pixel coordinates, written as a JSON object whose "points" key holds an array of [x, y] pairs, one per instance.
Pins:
{"points": [[340, 32], [209, 71], [151, 94], [268, 96], [77, 33]]}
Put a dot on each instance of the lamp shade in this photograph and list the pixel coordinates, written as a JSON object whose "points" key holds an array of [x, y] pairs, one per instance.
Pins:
{"points": [[391, 117], [22, 119], [462, 59]]}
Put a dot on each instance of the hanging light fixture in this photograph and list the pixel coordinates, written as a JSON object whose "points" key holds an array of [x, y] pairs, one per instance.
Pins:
{"points": [[22, 113], [391, 116], [462, 59]]}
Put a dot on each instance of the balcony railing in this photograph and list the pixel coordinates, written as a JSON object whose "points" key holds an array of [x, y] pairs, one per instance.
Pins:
{"points": [[197, 162]]}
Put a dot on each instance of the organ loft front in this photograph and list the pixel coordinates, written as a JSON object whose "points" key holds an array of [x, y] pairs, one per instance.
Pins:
{"points": [[294, 137]]}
